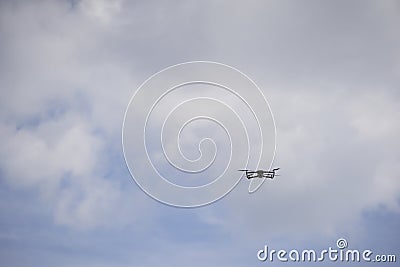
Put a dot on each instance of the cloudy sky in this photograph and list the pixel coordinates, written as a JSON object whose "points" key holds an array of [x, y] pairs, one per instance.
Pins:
{"points": [[329, 69]]}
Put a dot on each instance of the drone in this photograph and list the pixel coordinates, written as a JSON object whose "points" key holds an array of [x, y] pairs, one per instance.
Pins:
{"points": [[260, 173]]}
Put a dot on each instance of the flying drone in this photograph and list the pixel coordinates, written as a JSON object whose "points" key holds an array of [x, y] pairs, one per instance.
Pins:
{"points": [[261, 173]]}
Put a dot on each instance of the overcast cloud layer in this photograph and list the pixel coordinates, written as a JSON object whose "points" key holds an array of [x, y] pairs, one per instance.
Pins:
{"points": [[329, 69]]}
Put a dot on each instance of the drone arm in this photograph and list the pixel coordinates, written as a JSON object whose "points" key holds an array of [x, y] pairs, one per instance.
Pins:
{"points": [[251, 175], [269, 175]]}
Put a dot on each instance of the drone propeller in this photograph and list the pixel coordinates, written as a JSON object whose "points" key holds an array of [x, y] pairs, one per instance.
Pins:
{"points": [[242, 170], [275, 169]]}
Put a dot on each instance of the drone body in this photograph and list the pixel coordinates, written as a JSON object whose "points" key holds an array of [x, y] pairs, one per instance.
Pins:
{"points": [[261, 173]]}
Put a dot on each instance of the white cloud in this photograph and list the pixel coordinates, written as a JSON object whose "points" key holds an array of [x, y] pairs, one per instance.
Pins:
{"points": [[103, 11], [49, 151], [61, 108], [67, 74]]}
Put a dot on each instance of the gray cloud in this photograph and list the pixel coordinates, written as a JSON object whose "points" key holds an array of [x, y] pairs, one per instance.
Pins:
{"points": [[330, 71]]}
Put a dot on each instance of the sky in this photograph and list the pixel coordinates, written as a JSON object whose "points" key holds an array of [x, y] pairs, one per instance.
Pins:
{"points": [[330, 71]]}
